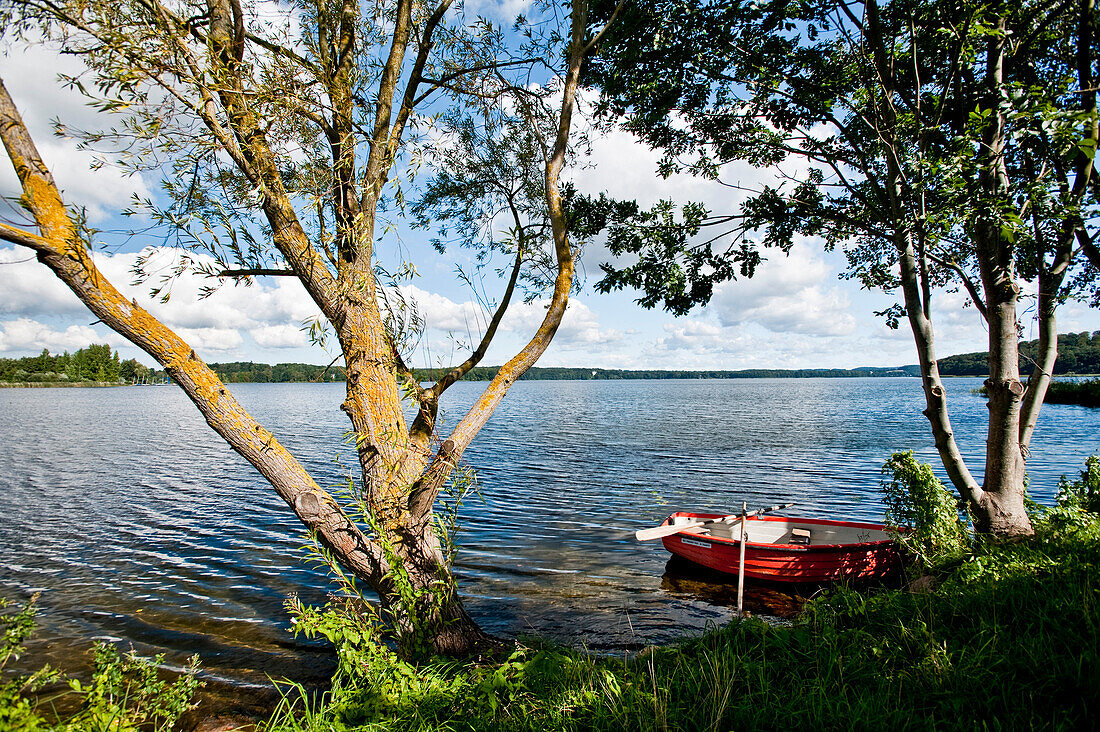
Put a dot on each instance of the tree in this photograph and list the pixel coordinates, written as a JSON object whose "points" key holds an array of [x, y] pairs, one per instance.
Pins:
{"points": [[946, 145], [284, 150]]}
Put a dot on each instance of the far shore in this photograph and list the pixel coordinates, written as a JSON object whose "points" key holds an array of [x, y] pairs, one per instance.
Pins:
{"points": [[65, 384]]}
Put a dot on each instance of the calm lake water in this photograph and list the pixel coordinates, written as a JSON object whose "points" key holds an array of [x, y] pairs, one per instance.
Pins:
{"points": [[141, 527]]}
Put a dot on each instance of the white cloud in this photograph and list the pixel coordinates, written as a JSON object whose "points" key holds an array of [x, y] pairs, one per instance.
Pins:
{"points": [[271, 312], [787, 295], [502, 11], [279, 336], [23, 335], [232, 306], [580, 328], [211, 339], [30, 73], [27, 287], [443, 314]]}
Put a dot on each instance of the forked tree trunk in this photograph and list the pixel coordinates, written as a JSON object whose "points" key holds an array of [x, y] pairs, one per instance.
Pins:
{"points": [[1000, 511], [404, 563]]}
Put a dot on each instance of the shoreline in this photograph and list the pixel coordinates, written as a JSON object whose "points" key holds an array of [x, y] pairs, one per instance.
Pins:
{"points": [[58, 384]]}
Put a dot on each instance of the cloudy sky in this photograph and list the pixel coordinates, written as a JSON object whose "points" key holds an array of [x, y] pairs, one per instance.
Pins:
{"points": [[795, 313]]}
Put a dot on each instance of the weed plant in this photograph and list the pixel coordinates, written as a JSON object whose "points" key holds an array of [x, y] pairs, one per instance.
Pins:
{"points": [[1006, 638], [934, 529], [127, 692]]}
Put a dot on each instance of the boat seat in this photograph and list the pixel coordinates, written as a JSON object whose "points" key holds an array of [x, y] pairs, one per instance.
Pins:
{"points": [[800, 536]]}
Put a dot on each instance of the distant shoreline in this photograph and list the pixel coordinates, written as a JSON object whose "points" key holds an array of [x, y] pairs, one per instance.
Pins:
{"points": [[554, 373], [58, 384]]}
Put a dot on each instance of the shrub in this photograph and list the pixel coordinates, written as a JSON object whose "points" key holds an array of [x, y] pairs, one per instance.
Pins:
{"points": [[126, 692], [925, 512], [1083, 493]]}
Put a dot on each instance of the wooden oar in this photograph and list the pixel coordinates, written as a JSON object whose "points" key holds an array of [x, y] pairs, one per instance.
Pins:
{"points": [[658, 532]]}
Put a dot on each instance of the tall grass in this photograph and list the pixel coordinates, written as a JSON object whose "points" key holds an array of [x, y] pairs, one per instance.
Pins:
{"points": [[1007, 639]]}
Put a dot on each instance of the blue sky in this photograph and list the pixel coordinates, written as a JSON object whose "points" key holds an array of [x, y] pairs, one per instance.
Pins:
{"points": [[795, 313]]}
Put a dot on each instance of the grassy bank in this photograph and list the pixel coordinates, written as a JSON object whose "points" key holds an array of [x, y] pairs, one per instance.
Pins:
{"points": [[993, 636], [1007, 638], [57, 384]]}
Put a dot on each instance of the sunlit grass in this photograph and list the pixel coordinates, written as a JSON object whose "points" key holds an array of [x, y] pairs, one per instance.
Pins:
{"points": [[1007, 639]]}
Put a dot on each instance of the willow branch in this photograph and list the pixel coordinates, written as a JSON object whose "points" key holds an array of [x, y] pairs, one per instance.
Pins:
{"points": [[60, 248], [257, 272]]}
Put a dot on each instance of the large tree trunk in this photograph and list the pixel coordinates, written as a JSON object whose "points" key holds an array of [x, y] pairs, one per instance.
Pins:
{"points": [[1000, 510]]}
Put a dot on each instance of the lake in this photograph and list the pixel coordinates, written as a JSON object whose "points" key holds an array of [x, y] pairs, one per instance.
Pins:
{"points": [[141, 527]]}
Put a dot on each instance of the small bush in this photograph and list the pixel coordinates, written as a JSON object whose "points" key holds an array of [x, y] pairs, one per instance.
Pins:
{"points": [[126, 693], [1083, 493], [928, 514]]}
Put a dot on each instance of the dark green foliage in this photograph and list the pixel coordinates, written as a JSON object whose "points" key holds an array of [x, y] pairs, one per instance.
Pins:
{"points": [[932, 530], [1078, 353], [1008, 640], [1084, 393], [875, 120], [1083, 494], [94, 363], [246, 372]]}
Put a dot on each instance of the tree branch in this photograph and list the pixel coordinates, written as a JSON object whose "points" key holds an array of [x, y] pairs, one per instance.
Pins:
{"points": [[257, 272], [971, 286], [60, 248]]}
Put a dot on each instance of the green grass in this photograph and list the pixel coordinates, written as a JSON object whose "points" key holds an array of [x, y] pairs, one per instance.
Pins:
{"points": [[1008, 639]]}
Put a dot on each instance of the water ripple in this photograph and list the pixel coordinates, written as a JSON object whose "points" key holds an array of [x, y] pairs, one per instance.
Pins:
{"points": [[143, 528]]}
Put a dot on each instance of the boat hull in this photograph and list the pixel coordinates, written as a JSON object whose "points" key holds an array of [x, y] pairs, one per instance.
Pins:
{"points": [[787, 562]]}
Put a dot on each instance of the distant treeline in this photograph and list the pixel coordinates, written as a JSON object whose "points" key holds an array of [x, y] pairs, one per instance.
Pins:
{"points": [[94, 363], [484, 373], [1078, 353], [247, 372]]}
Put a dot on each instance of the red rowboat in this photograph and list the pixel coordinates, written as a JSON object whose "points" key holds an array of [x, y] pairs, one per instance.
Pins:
{"points": [[784, 549]]}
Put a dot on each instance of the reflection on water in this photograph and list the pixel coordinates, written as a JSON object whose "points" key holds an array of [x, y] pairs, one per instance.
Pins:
{"points": [[141, 527], [687, 580]]}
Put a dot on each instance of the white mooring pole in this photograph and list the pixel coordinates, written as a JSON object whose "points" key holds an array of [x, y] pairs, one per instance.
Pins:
{"points": [[741, 564]]}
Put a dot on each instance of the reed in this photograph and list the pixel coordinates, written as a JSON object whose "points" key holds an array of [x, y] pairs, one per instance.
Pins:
{"points": [[1085, 393]]}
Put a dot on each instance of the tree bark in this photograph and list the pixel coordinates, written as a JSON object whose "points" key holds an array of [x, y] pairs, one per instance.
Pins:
{"points": [[1000, 510], [1050, 282], [60, 248], [935, 396]]}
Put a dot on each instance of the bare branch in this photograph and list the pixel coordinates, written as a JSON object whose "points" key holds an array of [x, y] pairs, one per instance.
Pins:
{"points": [[971, 286]]}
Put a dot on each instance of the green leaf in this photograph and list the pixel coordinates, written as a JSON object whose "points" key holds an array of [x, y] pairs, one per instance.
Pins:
{"points": [[1088, 147]]}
